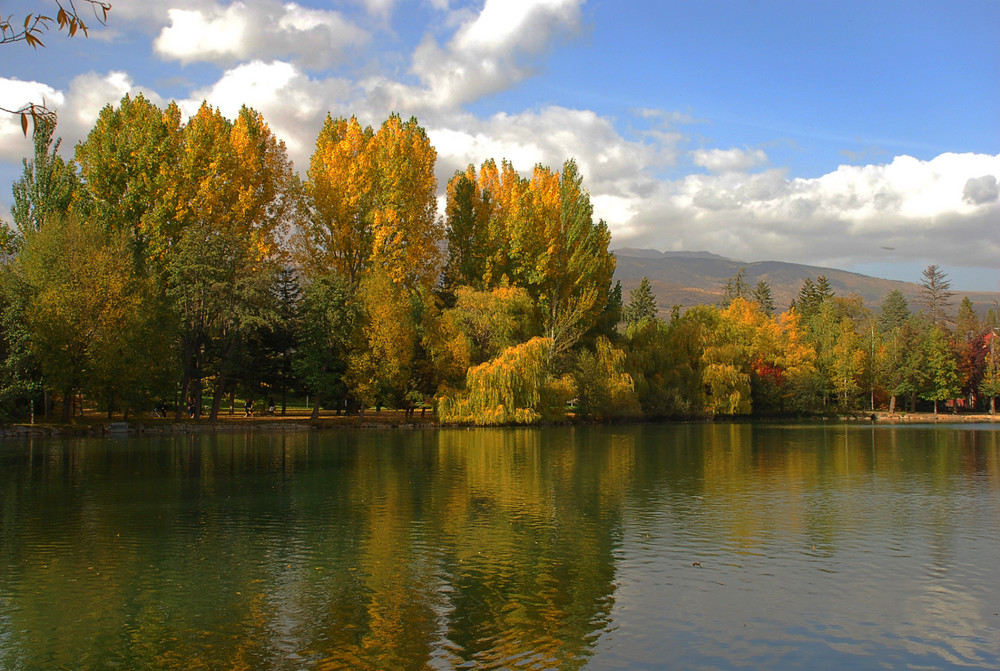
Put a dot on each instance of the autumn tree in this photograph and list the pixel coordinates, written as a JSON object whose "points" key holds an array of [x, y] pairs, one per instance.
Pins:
{"points": [[517, 387], [237, 192], [130, 166], [572, 269], [90, 323]]}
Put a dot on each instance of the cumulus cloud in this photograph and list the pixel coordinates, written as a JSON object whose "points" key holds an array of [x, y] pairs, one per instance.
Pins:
{"points": [[923, 209], [488, 52], [981, 190], [258, 29]]}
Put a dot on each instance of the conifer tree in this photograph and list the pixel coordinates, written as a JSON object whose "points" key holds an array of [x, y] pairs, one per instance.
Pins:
{"points": [[641, 304], [736, 287], [762, 297], [894, 311], [935, 293], [967, 323]]}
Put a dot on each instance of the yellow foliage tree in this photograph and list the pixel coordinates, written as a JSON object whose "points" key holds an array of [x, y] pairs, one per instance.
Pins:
{"points": [[514, 388]]}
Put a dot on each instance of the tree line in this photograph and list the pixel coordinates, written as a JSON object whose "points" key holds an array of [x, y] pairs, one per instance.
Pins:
{"points": [[185, 261]]}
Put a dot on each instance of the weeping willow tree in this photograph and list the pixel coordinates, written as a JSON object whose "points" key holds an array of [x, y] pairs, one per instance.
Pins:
{"points": [[516, 387]]}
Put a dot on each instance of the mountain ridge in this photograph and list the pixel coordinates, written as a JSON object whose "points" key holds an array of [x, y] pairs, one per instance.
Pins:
{"points": [[687, 279]]}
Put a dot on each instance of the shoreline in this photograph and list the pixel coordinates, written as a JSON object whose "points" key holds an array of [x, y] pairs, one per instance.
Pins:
{"points": [[392, 419]]}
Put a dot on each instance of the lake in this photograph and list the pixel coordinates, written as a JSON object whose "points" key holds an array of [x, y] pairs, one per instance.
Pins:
{"points": [[718, 546]]}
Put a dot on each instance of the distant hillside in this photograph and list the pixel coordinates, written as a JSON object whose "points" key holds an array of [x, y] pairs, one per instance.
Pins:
{"points": [[698, 278]]}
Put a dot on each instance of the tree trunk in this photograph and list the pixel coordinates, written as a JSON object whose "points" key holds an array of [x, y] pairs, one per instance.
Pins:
{"points": [[315, 412], [892, 404], [185, 382], [993, 405], [220, 390], [67, 409]]}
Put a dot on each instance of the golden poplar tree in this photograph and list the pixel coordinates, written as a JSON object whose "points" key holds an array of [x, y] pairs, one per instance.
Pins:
{"points": [[337, 232]]}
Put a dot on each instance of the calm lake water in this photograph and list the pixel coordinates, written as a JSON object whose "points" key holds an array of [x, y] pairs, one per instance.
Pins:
{"points": [[638, 547]]}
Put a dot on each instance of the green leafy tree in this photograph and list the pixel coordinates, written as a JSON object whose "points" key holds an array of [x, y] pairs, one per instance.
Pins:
{"points": [[327, 321], [604, 390], [47, 186], [129, 163], [967, 324], [942, 370], [467, 212], [87, 320], [912, 377], [20, 378], [990, 385], [575, 269], [811, 296]]}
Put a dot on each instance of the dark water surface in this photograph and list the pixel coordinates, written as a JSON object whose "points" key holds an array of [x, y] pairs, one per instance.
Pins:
{"points": [[638, 547]]}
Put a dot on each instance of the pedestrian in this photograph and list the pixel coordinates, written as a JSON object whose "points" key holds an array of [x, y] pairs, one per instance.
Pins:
{"points": [[248, 406]]}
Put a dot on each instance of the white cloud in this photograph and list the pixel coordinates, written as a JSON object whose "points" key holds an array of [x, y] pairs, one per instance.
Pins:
{"points": [[729, 160], [489, 52], [193, 35], [920, 209], [505, 26], [15, 94], [258, 29]]}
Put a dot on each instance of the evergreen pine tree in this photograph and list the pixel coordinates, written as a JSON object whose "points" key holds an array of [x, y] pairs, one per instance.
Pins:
{"points": [[762, 296], [894, 311], [935, 294], [641, 304]]}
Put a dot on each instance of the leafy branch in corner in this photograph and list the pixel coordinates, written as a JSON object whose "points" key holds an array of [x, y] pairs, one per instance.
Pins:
{"points": [[30, 31]]}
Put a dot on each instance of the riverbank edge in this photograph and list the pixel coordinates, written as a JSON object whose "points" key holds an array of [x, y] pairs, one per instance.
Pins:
{"points": [[20, 431]]}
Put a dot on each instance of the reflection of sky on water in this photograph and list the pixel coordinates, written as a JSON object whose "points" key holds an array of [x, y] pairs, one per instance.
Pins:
{"points": [[817, 560]]}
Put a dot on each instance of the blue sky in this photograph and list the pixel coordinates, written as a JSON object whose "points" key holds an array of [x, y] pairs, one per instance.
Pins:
{"points": [[857, 135]]}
